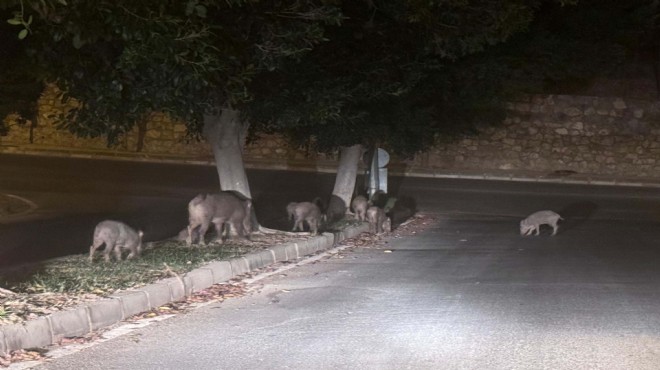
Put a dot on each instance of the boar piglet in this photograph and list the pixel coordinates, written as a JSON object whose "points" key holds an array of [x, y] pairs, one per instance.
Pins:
{"points": [[116, 236], [359, 206], [305, 212], [220, 208], [378, 221], [534, 221]]}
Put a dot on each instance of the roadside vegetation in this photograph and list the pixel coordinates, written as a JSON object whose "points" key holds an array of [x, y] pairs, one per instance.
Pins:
{"points": [[38, 289], [33, 290]]}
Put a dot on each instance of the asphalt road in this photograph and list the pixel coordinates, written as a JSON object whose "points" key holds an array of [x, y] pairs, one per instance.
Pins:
{"points": [[469, 293], [73, 195], [466, 294]]}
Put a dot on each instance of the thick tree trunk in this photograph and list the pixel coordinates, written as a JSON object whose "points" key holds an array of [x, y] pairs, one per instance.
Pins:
{"points": [[225, 132], [142, 133], [346, 176]]}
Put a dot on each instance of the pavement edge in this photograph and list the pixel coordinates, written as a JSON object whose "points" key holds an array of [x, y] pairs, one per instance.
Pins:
{"points": [[84, 319]]}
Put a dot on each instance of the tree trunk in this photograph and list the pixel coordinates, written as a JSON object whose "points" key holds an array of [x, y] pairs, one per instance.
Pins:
{"points": [[142, 133], [347, 174], [225, 132]]}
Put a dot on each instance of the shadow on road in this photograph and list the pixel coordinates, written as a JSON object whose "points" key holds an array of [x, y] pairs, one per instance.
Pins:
{"points": [[576, 214]]}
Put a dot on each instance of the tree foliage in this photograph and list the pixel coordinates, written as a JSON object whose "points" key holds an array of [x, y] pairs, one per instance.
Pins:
{"points": [[390, 75], [406, 74], [397, 73], [20, 80], [124, 59]]}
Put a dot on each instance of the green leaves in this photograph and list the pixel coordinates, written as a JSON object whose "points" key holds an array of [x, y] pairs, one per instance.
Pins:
{"points": [[122, 60], [193, 7], [19, 20]]}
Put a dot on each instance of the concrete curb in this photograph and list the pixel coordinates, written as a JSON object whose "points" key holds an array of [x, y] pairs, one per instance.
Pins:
{"points": [[79, 321]]}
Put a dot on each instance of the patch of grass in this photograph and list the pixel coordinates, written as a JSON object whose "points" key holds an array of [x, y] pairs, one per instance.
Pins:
{"points": [[75, 274]]}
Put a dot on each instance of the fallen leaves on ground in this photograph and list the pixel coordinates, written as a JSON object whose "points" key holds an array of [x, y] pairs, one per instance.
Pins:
{"points": [[412, 226], [214, 293], [18, 307], [22, 355]]}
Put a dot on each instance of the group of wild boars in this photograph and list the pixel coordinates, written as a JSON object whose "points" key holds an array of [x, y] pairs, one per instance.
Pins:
{"points": [[221, 208], [305, 212], [117, 236], [365, 210], [224, 208]]}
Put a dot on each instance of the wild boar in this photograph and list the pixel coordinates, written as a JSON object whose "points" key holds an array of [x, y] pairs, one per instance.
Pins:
{"points": [[116, 236], [220, 208], [534, 221], [291, 210], [336, 209], [377, 220], [359, 206], [305, 212]]}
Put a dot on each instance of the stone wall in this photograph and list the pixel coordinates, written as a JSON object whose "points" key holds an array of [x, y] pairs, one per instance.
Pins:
{"points": [[595, 135], [164, 137], [592, 135]]}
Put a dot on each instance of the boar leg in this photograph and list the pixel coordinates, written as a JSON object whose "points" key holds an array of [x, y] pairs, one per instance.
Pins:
{"points": [[240, 230], [298, 224], [109, 247], [93, 248], [117, 251], [202, 232], [313, 225], [190, 239], [219, 227]]}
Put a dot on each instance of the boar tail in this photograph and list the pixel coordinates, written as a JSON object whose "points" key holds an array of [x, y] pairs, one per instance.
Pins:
{"points": [[139, 246]]}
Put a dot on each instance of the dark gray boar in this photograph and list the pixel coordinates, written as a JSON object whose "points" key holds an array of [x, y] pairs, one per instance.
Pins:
{"points": [[291, 210], [221, 208], [305, 212], [377, 220], [336, 209], [116, 236], [359, 206]]}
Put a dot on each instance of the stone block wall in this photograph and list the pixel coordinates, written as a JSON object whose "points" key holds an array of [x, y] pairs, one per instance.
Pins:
{"points": [[585, 134], [595, 135]]}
